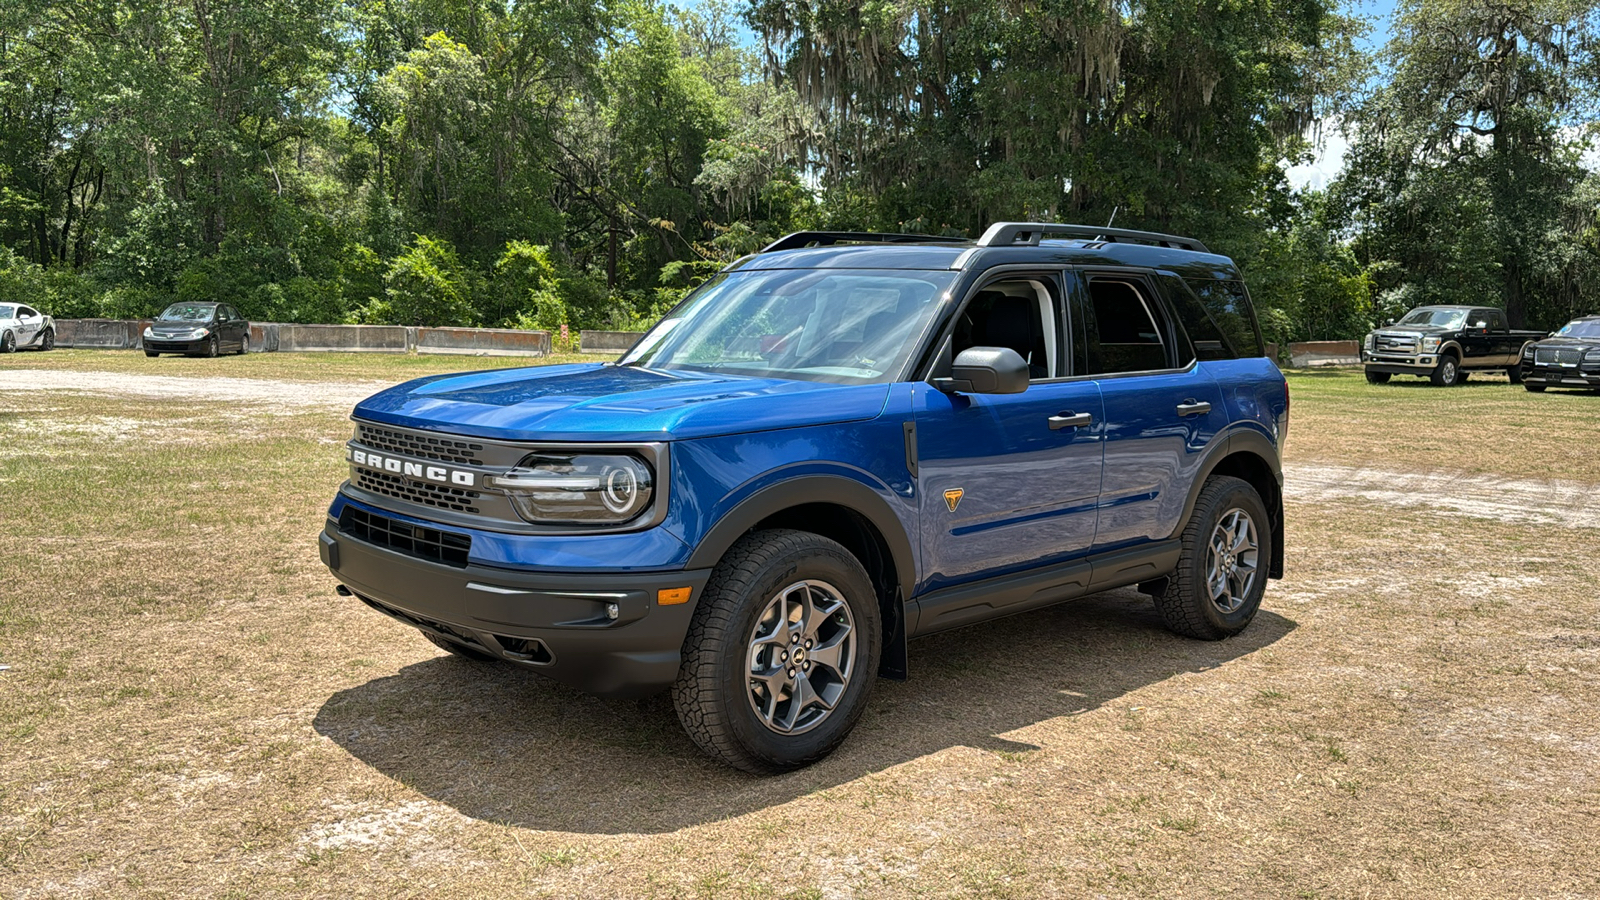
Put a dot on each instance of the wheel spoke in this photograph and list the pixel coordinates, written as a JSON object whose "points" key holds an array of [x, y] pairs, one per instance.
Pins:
{"points": [[833, 655]]}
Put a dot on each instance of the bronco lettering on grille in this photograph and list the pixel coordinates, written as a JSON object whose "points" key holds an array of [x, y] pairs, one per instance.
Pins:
{"points": [[418, 470]]}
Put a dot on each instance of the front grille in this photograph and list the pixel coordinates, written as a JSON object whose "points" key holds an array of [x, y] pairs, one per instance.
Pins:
{"points": [[436, 495], [1566, 356], [443, 449], [1388, 343], [419, 541]]}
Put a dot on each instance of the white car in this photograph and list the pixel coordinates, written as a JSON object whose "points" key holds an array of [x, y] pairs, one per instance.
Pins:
{"points": [[23, 327]]}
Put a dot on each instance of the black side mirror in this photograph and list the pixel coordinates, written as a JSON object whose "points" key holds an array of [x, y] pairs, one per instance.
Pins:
{"points": [[986, 370]]}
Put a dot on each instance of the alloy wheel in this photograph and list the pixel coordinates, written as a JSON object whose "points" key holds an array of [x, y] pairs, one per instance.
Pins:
{"points": [[800, 657], [1232, 559]]}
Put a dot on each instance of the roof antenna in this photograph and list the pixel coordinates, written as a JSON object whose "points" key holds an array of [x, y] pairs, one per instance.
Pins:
{"points": [[1114, 211]]}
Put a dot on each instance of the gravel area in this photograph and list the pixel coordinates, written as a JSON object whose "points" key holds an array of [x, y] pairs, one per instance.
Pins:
{"points": [[340, 395]]}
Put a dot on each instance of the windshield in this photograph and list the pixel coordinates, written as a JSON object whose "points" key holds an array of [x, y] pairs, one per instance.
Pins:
{"points": [[1448, 318], [845, 326], [7, 312], [186, 312], [1581, 328]]}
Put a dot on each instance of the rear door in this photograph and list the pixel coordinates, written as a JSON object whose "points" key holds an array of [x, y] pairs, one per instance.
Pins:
{"points": [[1162, 409], [1008, 481]]}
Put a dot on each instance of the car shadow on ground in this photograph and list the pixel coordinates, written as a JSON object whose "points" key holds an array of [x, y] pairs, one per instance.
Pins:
{"points": [[504, 745]]}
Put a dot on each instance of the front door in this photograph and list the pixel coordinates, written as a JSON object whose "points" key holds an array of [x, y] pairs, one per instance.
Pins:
{"points": [[1008, 481]]}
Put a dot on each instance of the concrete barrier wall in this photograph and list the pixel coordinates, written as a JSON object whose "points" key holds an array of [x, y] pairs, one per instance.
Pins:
{"points": [[344, 338], [100, 334], [607, 341], [1311, 354], [482, 341], [270, 337]]}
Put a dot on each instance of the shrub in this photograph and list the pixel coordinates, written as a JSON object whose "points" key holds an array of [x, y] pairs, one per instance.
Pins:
{"points": [[426, 285]]}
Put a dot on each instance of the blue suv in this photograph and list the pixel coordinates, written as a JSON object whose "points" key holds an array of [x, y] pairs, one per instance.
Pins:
{"points": [[836, 444]]}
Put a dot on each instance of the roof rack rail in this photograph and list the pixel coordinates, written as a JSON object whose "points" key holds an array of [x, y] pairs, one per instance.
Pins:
{"points": [[829, 238], [1003, 234]]}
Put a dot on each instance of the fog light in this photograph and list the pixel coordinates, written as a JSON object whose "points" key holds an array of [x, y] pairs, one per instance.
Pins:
{"points": [[612, 611]]}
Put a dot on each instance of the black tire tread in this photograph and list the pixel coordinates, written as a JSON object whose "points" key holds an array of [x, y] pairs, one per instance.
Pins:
{"points": [[694, 693], [1177, 613]]}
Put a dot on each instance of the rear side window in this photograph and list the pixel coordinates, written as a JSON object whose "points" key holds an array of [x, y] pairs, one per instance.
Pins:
{"points": [[1217, 316], [1125, 335]]}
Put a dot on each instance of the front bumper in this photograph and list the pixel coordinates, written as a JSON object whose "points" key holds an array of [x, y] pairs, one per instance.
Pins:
{"points": [[556, 623], [1399, 364], [1560, 376], [183, 346]]}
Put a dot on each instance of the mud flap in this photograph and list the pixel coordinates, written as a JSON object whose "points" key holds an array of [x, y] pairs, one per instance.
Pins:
{"points": [[894, 662]]}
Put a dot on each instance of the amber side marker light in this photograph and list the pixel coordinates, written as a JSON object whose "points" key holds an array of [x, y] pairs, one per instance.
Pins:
{"points": [[672, 596]]}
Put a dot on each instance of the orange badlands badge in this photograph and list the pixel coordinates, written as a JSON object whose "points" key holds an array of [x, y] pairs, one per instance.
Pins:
{"points": [[952, 498]]}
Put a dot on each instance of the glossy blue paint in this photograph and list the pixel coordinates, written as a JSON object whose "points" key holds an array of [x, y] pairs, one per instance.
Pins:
{"points": [[1028, 492], [1153, 454], [615, 403]]}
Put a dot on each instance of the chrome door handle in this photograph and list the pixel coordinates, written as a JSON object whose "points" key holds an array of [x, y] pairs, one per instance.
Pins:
{"points": [[1070, 419], [1193, 408]]}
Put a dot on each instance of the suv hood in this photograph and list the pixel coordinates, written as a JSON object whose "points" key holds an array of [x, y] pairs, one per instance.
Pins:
{"points": [[594, 402]]}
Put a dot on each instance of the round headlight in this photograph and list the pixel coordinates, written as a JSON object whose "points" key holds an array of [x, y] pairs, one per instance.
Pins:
{"points": [[578, 489]]}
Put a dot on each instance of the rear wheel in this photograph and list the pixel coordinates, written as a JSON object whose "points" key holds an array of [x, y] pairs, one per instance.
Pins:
{"points": [[1377, 377], [461, 650], [8, 342], [1222, 571], [1447, 373], [1515, 373], [781, 654], [244, 344]]}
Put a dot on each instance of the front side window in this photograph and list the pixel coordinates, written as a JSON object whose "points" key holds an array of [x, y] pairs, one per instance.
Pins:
{"points": [[845, 326], [1124, 335], [1017, 313], [1445, 318], [187, 312]]}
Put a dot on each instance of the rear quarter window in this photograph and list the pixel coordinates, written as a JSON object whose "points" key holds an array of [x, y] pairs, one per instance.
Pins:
{"points": [[1218, 317]]}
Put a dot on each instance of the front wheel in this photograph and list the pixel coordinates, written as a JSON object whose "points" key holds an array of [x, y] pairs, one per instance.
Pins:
{"points": [[1515, 373], [1222, 570], [1533, 388], [49, 342], [1377, 378], [151, 353], [1447, 373], [781, 654], [213, 347]]}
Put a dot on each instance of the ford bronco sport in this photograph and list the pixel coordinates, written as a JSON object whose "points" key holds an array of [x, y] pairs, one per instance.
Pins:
{"points": [[837, 444]]}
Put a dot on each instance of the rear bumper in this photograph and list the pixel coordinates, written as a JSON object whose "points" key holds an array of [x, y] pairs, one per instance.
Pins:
{"points": [[556, 623]]}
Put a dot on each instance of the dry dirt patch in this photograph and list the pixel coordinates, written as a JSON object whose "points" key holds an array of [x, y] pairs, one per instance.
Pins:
{"points": [[208, 388]]}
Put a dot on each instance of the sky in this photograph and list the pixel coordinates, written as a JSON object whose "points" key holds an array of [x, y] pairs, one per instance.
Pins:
{"points": [[1332, 146]]}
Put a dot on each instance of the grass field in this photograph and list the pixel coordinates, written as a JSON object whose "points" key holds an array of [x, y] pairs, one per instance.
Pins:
{"points": [[191, 711]]}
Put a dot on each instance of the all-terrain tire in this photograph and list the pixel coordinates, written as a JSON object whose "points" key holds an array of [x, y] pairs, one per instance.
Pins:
{"points": [[1377, 378], [717, 690], [1447, 373], [1187, 604], [461, 650]]}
